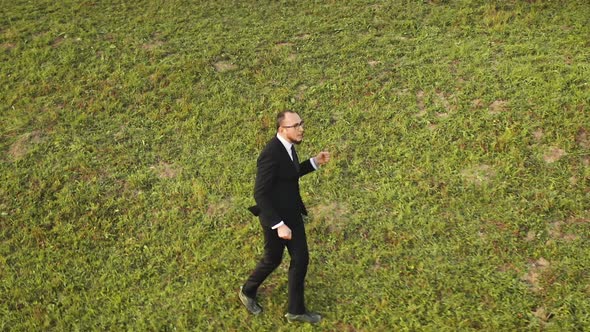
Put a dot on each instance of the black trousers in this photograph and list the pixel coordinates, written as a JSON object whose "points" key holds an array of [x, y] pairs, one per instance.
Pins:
{"points": [[273, 255]]}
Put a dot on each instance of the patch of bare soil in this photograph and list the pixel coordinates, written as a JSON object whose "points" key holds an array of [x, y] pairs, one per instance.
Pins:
{"points": [[7, 46], [334, 215], [58, 41], [553, 154], [538, 134], [301, 92], [556, 232], [530, 236], [22, 145], [440, 99], [479, 174], [421, 105], [477, 103], [445, 101], [219, 208], [166, 171], [224, 66], [542, 314], [579, 220], [534, 274], [303, 36], [156, 42], [453, 68], [284, 44], [582, 138], [152, 45], [498, 106]]}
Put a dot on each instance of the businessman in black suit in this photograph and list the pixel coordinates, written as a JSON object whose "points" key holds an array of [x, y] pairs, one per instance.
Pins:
{"points": [[280, 209]]}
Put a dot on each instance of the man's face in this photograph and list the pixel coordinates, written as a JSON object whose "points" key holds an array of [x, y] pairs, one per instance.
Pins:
{"points": [[292, 128]]}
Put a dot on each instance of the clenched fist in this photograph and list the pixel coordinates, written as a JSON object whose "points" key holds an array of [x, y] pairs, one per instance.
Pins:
{"points": [[322, 158]]}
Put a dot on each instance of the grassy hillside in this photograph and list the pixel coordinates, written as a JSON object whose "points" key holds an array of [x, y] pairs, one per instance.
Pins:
{"points": [[457, 197]]}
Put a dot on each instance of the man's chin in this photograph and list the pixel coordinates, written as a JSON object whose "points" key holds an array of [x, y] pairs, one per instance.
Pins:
{"points": [[298, 141]]}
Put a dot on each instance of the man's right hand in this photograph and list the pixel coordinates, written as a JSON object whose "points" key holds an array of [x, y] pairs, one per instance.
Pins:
{"points": [[284, 232]]}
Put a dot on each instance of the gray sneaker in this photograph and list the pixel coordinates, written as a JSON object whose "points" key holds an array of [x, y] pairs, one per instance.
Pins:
{"points": [[308, 317], [250, 303]]}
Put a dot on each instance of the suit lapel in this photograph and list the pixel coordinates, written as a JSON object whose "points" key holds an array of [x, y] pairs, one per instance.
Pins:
{"points": [[285, 155]]}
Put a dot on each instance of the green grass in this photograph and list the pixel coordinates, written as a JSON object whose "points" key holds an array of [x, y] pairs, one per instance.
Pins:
{"points": [[456, 199]]}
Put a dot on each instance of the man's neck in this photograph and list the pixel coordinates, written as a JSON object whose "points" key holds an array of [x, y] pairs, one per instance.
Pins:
{"points": [[284, 139]]}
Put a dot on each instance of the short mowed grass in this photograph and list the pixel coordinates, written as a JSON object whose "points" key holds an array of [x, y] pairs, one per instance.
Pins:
{"points": [[457, 197]]}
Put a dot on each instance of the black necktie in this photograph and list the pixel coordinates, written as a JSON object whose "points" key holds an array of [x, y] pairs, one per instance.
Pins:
{"points": [[295, 159]]}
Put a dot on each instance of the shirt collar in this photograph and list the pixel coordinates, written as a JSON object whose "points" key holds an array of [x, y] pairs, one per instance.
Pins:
{"points": [[285, 143]]}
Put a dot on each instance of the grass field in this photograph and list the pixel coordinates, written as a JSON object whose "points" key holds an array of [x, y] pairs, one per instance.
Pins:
{"points": [[457, 197]]}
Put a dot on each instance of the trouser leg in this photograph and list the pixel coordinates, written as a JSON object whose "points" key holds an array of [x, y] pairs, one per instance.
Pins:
{"points": [[273, 255], [299, 253]]}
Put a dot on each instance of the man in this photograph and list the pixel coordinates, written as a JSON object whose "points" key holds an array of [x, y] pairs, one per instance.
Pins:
{"points": [[280, 209]]}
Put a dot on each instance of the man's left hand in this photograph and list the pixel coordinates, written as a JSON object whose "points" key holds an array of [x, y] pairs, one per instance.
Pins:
{"points": [[322, 158]]}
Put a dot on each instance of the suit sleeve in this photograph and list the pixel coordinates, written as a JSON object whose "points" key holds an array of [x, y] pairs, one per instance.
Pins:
{"points": [[305, 168], [266, 173]]}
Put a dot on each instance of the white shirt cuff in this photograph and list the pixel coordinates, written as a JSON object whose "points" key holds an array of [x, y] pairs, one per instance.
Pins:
{"points": [[278, 225], [313, 163]]}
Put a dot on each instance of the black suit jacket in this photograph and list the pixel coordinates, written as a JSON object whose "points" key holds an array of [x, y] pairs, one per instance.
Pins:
{"points": [[276, 190]]}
